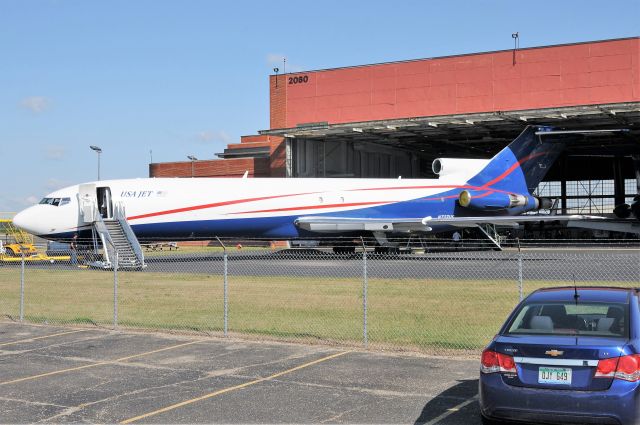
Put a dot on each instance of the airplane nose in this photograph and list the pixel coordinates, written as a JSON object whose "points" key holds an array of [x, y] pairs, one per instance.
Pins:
{"points": [[19, 219], [28, 221]]}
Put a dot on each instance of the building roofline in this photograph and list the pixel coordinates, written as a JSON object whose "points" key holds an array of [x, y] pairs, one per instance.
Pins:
{"points": [[457, 55], [522, 117]]}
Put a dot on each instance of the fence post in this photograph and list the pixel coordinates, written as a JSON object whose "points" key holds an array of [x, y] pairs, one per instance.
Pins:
{"points": [[115, 291], [225, 295], [520, 288], [22, 286], [365, 287]]}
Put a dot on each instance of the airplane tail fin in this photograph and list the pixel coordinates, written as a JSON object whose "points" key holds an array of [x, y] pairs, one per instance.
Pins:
{"points": [[519, 167]]}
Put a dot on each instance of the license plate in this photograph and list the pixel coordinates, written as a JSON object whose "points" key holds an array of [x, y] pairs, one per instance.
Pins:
{"points": [[554, 375]]}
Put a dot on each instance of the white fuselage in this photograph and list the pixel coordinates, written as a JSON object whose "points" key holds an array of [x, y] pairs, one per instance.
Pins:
{"points": [[219, 204]]}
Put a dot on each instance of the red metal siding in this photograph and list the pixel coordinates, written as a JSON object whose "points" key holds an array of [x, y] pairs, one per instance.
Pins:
{"points": [[570, 75], [257, 167], [278, 101]]}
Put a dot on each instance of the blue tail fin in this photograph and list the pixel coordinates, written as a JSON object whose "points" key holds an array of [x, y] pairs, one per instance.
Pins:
{"points": [[520, 166]]}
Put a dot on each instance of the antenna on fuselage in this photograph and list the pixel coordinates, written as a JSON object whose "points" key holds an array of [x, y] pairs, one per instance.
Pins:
{"points": [[246, 174]]}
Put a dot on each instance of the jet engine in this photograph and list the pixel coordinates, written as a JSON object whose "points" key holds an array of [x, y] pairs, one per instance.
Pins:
{"points": [[445, 167], [488, 200]]}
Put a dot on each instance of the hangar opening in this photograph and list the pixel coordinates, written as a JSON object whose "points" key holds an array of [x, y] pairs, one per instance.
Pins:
{"points": [[391, 120], [596, 172]]}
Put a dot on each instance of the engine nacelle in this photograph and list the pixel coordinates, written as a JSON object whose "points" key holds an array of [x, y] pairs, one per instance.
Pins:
{"points": [[622, 211], [493, 200], [635, 207], [445, 167], [543, 203], [626, 210]]}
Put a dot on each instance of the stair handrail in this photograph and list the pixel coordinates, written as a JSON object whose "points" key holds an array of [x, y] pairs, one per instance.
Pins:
{"points": [[120, 215], [105, 237]]}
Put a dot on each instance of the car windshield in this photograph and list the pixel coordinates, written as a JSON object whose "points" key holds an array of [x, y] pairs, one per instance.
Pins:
{"points": [[557, 318]]}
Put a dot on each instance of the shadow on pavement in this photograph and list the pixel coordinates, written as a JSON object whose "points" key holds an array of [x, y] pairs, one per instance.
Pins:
{"points": [[452, 397]]}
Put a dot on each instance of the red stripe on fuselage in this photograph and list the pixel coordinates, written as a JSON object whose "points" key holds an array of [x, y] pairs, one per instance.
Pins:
{"points": [[511, 169], [429, 187], [214, 205], [240, 201], [313, 207]]}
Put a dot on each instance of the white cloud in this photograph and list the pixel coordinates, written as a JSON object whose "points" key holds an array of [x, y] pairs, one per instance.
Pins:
{"points": [[35, 104], [30, 200], [295, 68], [52, 184], [55, 152], [11, 204], [276, 60], [207, 136]]}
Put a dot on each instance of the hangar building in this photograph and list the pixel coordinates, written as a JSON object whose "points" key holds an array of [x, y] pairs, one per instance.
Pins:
{"points": [[393, 119]]}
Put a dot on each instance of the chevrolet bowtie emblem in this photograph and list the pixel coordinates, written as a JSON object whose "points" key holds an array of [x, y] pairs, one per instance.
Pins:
{"points": [[554, 353]]}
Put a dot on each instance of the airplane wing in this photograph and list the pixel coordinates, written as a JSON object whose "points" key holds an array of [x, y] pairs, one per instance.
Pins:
{"points": [[323, 224], [504, 220]]}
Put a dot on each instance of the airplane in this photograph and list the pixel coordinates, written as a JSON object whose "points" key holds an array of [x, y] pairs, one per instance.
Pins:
{"points": [[467, 193]]}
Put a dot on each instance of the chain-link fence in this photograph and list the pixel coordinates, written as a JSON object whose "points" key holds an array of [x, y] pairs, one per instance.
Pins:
{"points": [[438, 299]]}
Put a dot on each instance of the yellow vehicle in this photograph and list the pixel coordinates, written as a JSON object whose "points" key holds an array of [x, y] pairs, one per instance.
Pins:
{"points": [[18, 241]]}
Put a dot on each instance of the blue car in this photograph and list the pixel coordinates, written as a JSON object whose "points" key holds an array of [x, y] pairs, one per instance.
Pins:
{"points": [[565, 355]]}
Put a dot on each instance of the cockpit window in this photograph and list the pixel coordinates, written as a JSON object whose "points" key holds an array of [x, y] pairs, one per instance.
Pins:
{"points": [[56, 202]]}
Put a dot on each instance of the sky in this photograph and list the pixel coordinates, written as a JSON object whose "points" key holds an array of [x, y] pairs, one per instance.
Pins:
{"points": [[160, 79]]}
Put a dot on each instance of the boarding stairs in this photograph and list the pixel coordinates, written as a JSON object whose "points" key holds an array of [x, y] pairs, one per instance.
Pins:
{"points": [[121, 248], [127, 257], [491, 232]]}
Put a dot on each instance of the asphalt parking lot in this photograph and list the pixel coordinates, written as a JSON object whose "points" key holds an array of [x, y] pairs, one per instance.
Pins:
{"points": [[53, 374]]}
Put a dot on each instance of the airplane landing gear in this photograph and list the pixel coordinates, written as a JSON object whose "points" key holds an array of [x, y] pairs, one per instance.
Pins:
{"points": [[387, 250], [344, 250]]}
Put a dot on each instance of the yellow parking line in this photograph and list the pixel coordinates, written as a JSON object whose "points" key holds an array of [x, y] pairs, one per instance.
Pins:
{"points": [[121, 359], [451, 411], [42, 337], [236, 387]]}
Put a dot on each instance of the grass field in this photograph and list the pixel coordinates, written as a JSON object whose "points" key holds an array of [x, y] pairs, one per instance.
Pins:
{"points": [[428, 315]]}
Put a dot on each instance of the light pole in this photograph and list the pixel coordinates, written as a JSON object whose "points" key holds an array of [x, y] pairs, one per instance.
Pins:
{"points": [[192, 158], [516, 45], [98, 151]]}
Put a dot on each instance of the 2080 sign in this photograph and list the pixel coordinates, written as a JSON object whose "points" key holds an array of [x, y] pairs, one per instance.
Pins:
{"points": [[299, 80]]}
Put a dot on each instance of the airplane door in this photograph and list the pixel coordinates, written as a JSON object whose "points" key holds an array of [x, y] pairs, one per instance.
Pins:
{"points": [[105, 204], [87, 202]]}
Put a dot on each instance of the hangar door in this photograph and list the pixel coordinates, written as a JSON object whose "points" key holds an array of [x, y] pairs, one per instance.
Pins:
{"points": [[331, 158]]}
